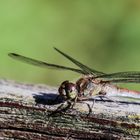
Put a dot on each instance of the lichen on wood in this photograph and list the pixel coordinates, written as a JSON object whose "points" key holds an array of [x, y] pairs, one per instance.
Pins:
{"points": [[25, 114]]}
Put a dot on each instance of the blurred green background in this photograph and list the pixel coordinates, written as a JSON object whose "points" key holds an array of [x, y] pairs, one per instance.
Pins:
{"points": [[104, 35]]}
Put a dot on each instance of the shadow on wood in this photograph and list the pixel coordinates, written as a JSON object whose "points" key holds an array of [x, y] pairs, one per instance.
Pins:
{"points": [[25, 109]]}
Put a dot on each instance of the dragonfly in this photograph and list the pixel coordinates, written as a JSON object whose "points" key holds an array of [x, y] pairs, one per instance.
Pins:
{"points": [[92, 83]]}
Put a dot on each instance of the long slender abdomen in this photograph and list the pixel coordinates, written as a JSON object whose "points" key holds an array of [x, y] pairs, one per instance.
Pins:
{"points": [[112, 90], [129, 93]]}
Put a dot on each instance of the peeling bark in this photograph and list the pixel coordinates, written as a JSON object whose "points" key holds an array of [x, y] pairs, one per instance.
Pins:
{"points": [[25, 114]]}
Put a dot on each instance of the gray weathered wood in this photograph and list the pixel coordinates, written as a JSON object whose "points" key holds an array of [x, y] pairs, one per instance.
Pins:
{"points": [[25, 109]]}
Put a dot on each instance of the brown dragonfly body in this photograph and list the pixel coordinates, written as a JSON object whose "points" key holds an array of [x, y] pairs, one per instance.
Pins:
{"points": [[86, 87], [93, 83]]}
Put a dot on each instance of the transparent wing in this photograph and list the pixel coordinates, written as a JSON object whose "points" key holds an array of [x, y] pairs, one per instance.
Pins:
{"points": [[42, 64], [86, 69], [128, 80], [121, 77], [128, 74]]}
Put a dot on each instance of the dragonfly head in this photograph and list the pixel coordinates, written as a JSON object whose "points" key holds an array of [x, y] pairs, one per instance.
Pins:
{"points": [[67, 90]]}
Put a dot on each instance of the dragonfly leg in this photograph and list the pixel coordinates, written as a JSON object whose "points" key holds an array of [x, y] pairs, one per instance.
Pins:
{"points": [[90, 109], [109, 99], [74, 102], [103, 96], [61, 108], [93, 103], [89, 106]]}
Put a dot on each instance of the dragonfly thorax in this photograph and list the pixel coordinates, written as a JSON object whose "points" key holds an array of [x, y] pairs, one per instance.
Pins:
{"points": [[87, 86]]}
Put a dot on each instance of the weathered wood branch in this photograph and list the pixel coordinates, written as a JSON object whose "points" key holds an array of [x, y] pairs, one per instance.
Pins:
{"points": [[25, 114]]}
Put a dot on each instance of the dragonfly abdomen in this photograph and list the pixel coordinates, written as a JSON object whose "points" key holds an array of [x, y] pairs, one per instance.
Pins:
{"points": [[112, 90]]}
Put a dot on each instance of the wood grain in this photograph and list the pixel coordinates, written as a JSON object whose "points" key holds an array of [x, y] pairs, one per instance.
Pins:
{"points": [[26, 113]]}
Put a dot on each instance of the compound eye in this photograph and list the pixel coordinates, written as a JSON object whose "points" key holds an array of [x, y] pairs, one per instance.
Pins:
{"points": [[62, 88], [71, 91], [67, 90]]}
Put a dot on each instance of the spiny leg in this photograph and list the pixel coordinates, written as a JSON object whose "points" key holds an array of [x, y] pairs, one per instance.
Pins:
{"points": [[103, 96], [74, 102], [61, 109], [109, 99], [70, 105], [90, 109], [88, 105]]}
